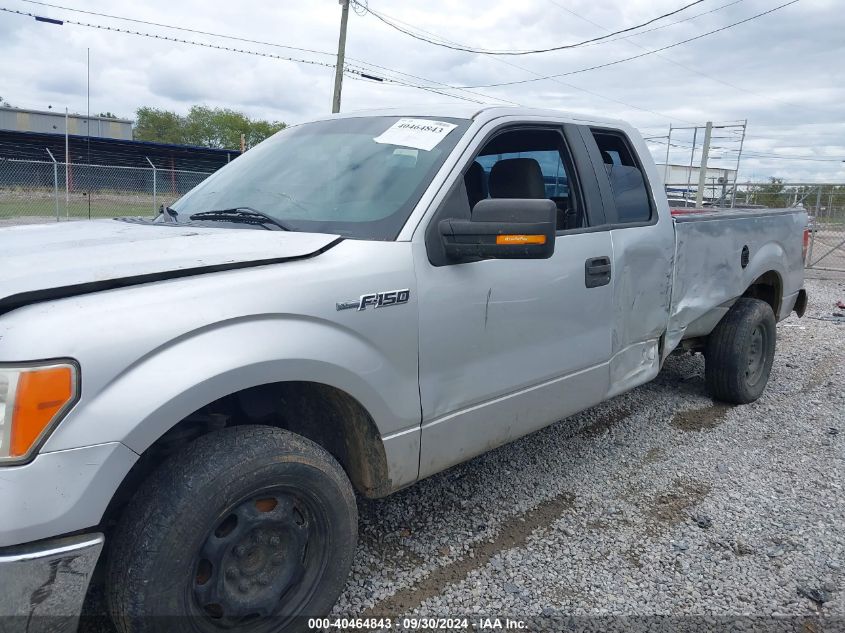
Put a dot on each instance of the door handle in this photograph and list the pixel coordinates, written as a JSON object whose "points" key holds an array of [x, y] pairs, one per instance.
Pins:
{"points": [[597, 272]]}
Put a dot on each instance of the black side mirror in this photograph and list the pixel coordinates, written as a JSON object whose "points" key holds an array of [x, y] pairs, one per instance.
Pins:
{"points": [[503, 228]]}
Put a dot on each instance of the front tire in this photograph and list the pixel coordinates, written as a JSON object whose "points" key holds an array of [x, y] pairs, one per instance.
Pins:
{"points": [[249, 528], [740, 352]]}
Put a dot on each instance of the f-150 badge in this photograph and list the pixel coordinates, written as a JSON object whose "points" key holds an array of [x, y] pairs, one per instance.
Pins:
{"points": [[376, 300]]}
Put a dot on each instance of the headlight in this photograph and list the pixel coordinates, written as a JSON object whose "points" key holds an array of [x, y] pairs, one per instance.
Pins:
{"points": [[32, 400]]}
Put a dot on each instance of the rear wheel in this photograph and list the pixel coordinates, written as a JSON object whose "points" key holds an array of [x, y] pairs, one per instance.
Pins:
{"points": [[249, 528], [740, 352]]}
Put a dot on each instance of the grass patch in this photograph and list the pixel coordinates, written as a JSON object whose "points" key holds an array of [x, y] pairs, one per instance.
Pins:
{"points": [[110, 206]]}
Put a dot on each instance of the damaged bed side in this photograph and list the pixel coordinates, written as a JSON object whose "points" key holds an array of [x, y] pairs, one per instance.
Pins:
{"points": [[722, 255]]}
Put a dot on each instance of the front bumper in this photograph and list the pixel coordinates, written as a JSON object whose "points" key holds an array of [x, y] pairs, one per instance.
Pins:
{"points": [[43, 585], [60, 492]]}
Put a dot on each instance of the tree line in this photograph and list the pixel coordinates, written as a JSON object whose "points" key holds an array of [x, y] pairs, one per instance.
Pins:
{"points": [[775, 193], [203, 126], [220, 128]]}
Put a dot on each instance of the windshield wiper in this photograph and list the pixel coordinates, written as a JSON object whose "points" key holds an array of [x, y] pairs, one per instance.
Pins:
{"points": [[244, 215]]}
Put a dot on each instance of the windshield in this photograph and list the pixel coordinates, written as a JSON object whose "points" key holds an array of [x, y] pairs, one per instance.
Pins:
{"points": [[357, 177]]}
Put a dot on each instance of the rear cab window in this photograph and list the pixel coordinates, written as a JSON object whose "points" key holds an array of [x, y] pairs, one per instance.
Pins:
{"points": [[627, 179]]}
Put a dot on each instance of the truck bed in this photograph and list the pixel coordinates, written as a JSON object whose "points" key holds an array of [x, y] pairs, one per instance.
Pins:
{"points": [[711, 272]]}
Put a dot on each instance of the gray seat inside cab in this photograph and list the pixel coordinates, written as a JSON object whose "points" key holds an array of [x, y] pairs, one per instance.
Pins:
{"points": [[523, 178], [517, 178], [476, 183]]}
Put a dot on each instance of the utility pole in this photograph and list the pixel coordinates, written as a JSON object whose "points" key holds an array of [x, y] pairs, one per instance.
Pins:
{"points": [[88, 120], [88, 135], [702, 174], [691, 159], [67, 166], [666, 165], [738, 157], [341, 53]]}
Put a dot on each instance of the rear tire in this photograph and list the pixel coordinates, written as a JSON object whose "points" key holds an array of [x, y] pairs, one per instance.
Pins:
{"points": [[740, 352], [249, 528]]}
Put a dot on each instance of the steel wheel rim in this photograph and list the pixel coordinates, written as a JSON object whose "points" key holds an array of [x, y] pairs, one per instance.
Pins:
{"points": [[756, 355], [259, 570]]}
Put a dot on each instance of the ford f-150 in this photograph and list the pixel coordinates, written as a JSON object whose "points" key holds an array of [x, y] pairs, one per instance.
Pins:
{"points": [[189, 404]]}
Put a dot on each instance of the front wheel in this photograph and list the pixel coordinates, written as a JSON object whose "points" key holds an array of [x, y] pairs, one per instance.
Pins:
{"points": [[249, 529], [740, 351]]}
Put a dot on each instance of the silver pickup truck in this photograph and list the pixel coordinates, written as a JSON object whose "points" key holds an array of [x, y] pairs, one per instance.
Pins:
{"points": [[189, 405]]}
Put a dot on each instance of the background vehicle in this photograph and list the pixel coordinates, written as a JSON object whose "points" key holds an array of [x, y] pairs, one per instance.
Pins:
{"points": [[356, 303]]}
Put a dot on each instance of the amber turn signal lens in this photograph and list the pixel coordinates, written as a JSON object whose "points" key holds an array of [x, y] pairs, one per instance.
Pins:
{"points": [[520, 239], [40, 395]]}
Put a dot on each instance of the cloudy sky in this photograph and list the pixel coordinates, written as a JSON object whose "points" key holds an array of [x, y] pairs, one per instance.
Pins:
{"points": [[784, 72]]}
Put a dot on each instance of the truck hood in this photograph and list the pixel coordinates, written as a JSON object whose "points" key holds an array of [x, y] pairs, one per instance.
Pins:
{"points": [[43, 262]]}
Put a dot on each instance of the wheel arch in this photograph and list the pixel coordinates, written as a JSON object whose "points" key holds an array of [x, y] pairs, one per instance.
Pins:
{"points": [[767, 287], [322, 413]]}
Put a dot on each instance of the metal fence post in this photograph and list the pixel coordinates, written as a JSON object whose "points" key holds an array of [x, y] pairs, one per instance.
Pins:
{"points": [[55, 180], [155, 205], [814, 227]]}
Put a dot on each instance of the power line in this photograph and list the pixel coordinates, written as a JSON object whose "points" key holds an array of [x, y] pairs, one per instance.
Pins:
{"points": [[265, 43], [178, 28], [176, 39], [684, 66], [627, 59], [597, 43], [753, 154], [408, 85], [779, 157], [348, 70], [362, 65], [361, 72], [436, 84], [654, 28], [564, 83], [469, 49]]}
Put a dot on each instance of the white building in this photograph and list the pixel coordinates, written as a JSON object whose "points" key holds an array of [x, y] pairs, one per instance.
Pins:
{"points": [[52, 122], [676, 176]]}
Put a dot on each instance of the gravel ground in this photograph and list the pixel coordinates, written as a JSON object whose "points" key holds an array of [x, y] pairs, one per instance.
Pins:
{"points": [[660, 501]]}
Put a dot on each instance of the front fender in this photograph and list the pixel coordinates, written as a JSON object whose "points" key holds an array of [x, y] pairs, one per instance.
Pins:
{"points": [[181, 376]]}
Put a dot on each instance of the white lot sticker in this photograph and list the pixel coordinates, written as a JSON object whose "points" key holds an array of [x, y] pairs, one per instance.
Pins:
{"points": [[418, 133]]}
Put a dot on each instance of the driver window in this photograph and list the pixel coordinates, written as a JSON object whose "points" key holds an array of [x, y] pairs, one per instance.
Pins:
{"points": [[525, 164]]}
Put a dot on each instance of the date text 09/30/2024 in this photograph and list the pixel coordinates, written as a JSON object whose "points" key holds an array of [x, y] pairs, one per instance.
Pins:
{"points": [[416, 624]]}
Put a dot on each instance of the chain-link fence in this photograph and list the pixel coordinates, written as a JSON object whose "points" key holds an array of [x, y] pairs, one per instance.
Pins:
{"points": [[824, 204], [825, 207], [43, 191]]}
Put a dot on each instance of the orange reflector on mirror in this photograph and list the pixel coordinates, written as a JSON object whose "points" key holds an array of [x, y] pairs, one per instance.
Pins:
{"points": [[520, 239], [41, 394]]}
